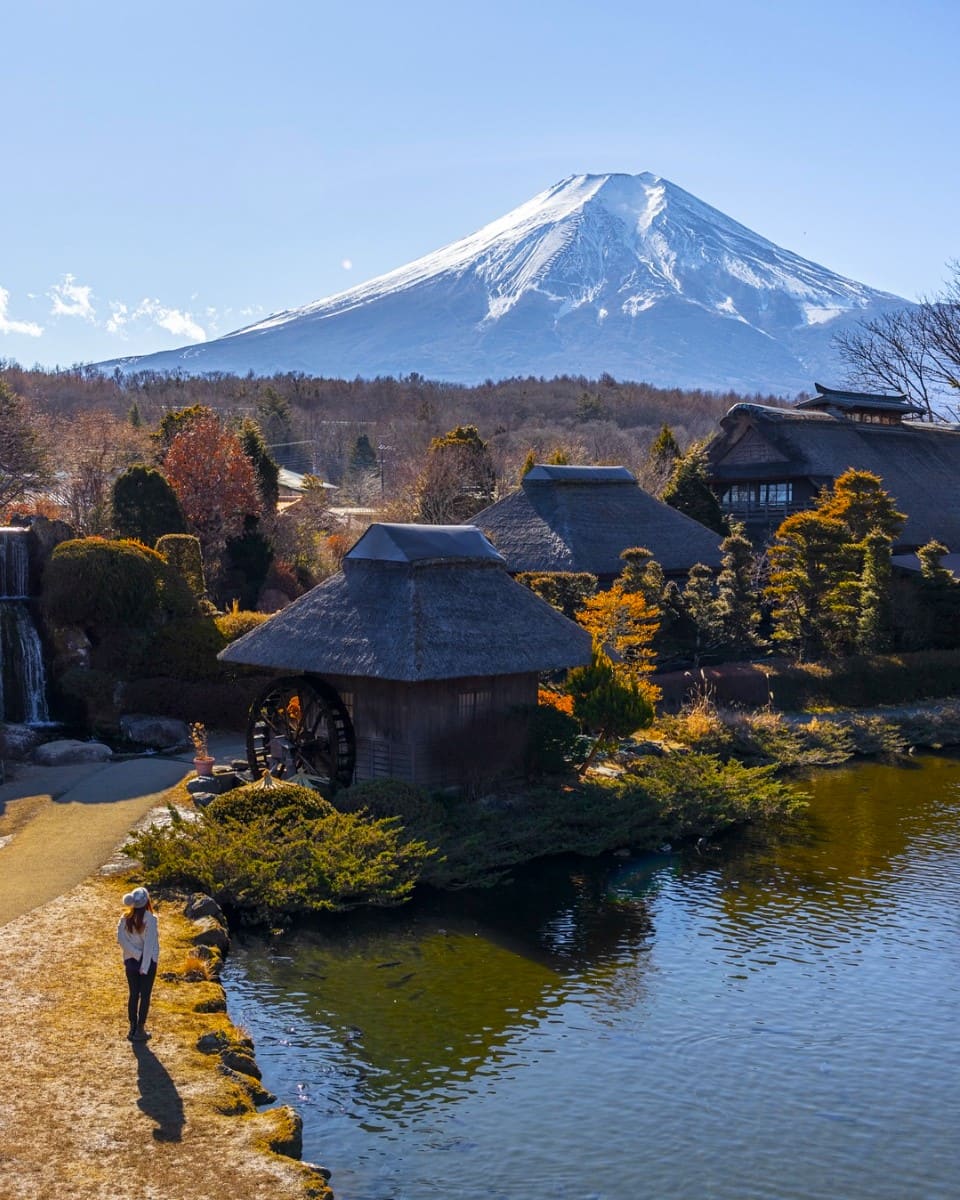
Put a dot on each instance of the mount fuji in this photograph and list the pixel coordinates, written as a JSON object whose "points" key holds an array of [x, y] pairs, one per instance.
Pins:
{"points": [[624, 274]]}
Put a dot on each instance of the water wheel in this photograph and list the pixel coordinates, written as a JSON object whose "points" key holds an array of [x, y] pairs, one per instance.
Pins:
{"points": [[299, 727]]}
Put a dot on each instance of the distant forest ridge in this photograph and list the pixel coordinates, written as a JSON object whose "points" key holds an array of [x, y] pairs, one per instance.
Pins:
{"points": [[311, 423]]}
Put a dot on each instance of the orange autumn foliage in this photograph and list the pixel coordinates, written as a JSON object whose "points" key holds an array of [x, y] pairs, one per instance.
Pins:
{"points": [[623, 625], [559, 701]]}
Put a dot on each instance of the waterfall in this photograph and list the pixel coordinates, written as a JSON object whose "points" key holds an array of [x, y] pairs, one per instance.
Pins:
{"points": [[23, 683]]}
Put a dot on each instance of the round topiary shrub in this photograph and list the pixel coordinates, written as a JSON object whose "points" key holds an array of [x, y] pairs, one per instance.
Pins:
{"points": [[102, 586], [236, 623], [262, 799]]}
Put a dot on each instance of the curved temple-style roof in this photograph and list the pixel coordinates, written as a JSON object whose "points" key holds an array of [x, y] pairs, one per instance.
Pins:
{"points": [[413, 603], [843, 399], [582, 518]]}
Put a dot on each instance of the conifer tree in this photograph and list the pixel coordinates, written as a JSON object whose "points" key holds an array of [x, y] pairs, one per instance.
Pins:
{"points": [[857, 498], [940, 596], [567, 591], [145, 506], [458, 479], [873, 619], [813, 585], [608, 704], [664, 450], [642, 573], [689, 492], [264, 466], [527, 465], [738, 604], [700, 604]]}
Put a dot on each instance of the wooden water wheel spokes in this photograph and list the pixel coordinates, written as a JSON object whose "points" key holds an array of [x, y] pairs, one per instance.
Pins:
{"points": [[299, 726]]}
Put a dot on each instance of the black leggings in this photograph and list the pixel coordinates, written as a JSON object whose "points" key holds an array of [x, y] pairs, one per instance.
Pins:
{"points": [[138, 1004]]}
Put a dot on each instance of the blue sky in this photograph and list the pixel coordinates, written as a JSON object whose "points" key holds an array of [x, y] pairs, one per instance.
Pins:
{"points": [[172, 172]]}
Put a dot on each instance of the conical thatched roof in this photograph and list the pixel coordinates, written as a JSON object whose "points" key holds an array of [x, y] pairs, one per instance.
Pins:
{"points": [[582, 518], [416, 602]]}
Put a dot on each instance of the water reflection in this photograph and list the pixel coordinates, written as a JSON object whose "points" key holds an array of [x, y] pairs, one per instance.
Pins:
{"points": [[769, 1017], [420, 1001]]}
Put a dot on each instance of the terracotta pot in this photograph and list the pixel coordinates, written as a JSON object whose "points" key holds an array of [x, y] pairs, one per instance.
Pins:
{"points": [[204, 766]]}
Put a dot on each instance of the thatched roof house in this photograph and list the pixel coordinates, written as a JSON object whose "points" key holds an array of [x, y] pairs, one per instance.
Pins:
{"points": [[766, 463], [582, 518], [425, 637]]}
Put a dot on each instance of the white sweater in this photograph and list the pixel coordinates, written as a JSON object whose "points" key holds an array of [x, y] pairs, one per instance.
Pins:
{"points": [[145, 946]]}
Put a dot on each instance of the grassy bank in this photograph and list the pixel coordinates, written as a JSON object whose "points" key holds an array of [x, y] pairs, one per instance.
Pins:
{"points": [[790, 741], [273, 853]]}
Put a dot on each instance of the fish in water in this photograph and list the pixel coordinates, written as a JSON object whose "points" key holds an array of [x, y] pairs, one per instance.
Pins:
{"points": [[395, 983]]}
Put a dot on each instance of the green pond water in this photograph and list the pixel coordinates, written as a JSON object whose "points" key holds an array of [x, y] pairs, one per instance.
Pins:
{"points": [[768, 1018]]}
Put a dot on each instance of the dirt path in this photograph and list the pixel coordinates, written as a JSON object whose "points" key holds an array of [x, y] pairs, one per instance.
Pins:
{"points": [[60, 824], [84, 1113]]}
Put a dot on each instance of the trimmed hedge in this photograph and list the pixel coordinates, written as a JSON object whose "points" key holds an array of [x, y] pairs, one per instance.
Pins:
{"points": [[102, 586], [284, 801], [236, 623], [185, 649], [182, 551]]}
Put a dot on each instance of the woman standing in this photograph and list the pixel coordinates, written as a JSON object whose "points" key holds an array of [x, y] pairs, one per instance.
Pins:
{"points": [[139, 940]]}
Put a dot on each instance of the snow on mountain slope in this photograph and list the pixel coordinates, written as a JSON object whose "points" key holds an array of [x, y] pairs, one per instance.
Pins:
{"points": [[627, 274]]}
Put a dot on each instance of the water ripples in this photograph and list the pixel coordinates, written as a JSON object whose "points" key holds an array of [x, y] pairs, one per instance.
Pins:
{"points": [[776, 1021]]}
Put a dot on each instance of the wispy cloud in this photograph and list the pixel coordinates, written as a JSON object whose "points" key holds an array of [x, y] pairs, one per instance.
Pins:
{"points": [[180, 324], [174, 320], [72, 299], [8, 325]]}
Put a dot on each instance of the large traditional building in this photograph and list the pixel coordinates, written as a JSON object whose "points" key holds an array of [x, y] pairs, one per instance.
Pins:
{"points": [[766, 463], [583, 518]]}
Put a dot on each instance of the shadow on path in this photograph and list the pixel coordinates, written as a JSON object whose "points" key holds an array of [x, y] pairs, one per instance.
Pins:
{"points": [[159, 1098]]}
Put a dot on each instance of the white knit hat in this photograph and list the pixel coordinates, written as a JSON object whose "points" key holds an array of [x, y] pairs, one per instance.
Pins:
{"points": [[137, 898]]}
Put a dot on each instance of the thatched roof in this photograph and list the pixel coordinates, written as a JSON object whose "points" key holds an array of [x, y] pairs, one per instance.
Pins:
{"points": [[582, 518], [918, 463], [413, 603]]}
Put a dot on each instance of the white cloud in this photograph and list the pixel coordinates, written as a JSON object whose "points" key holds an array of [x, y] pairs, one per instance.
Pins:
{"points": [[347, 264], [173, 320], [180, 324], [72, 299], [119, 316], [30, 328]]}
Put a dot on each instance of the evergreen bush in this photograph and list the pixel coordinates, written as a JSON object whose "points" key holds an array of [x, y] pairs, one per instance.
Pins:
{"points": [[272, 866], [182, 551], [102, 586], [286, 802], [145, 506], [238, 621], [184, 649]]}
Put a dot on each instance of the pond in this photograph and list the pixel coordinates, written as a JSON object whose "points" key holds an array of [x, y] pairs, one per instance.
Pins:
{"points": [[770, 1017]]}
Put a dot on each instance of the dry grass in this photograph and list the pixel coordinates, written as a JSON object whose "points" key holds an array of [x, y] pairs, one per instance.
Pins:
{"points": [[86, 1115]]}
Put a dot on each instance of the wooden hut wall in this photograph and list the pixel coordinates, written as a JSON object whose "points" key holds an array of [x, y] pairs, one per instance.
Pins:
{"points": [[436, 733]]}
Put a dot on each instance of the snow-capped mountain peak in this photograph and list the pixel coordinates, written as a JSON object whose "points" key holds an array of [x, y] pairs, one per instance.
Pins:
{"points": [[627, 274]]}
